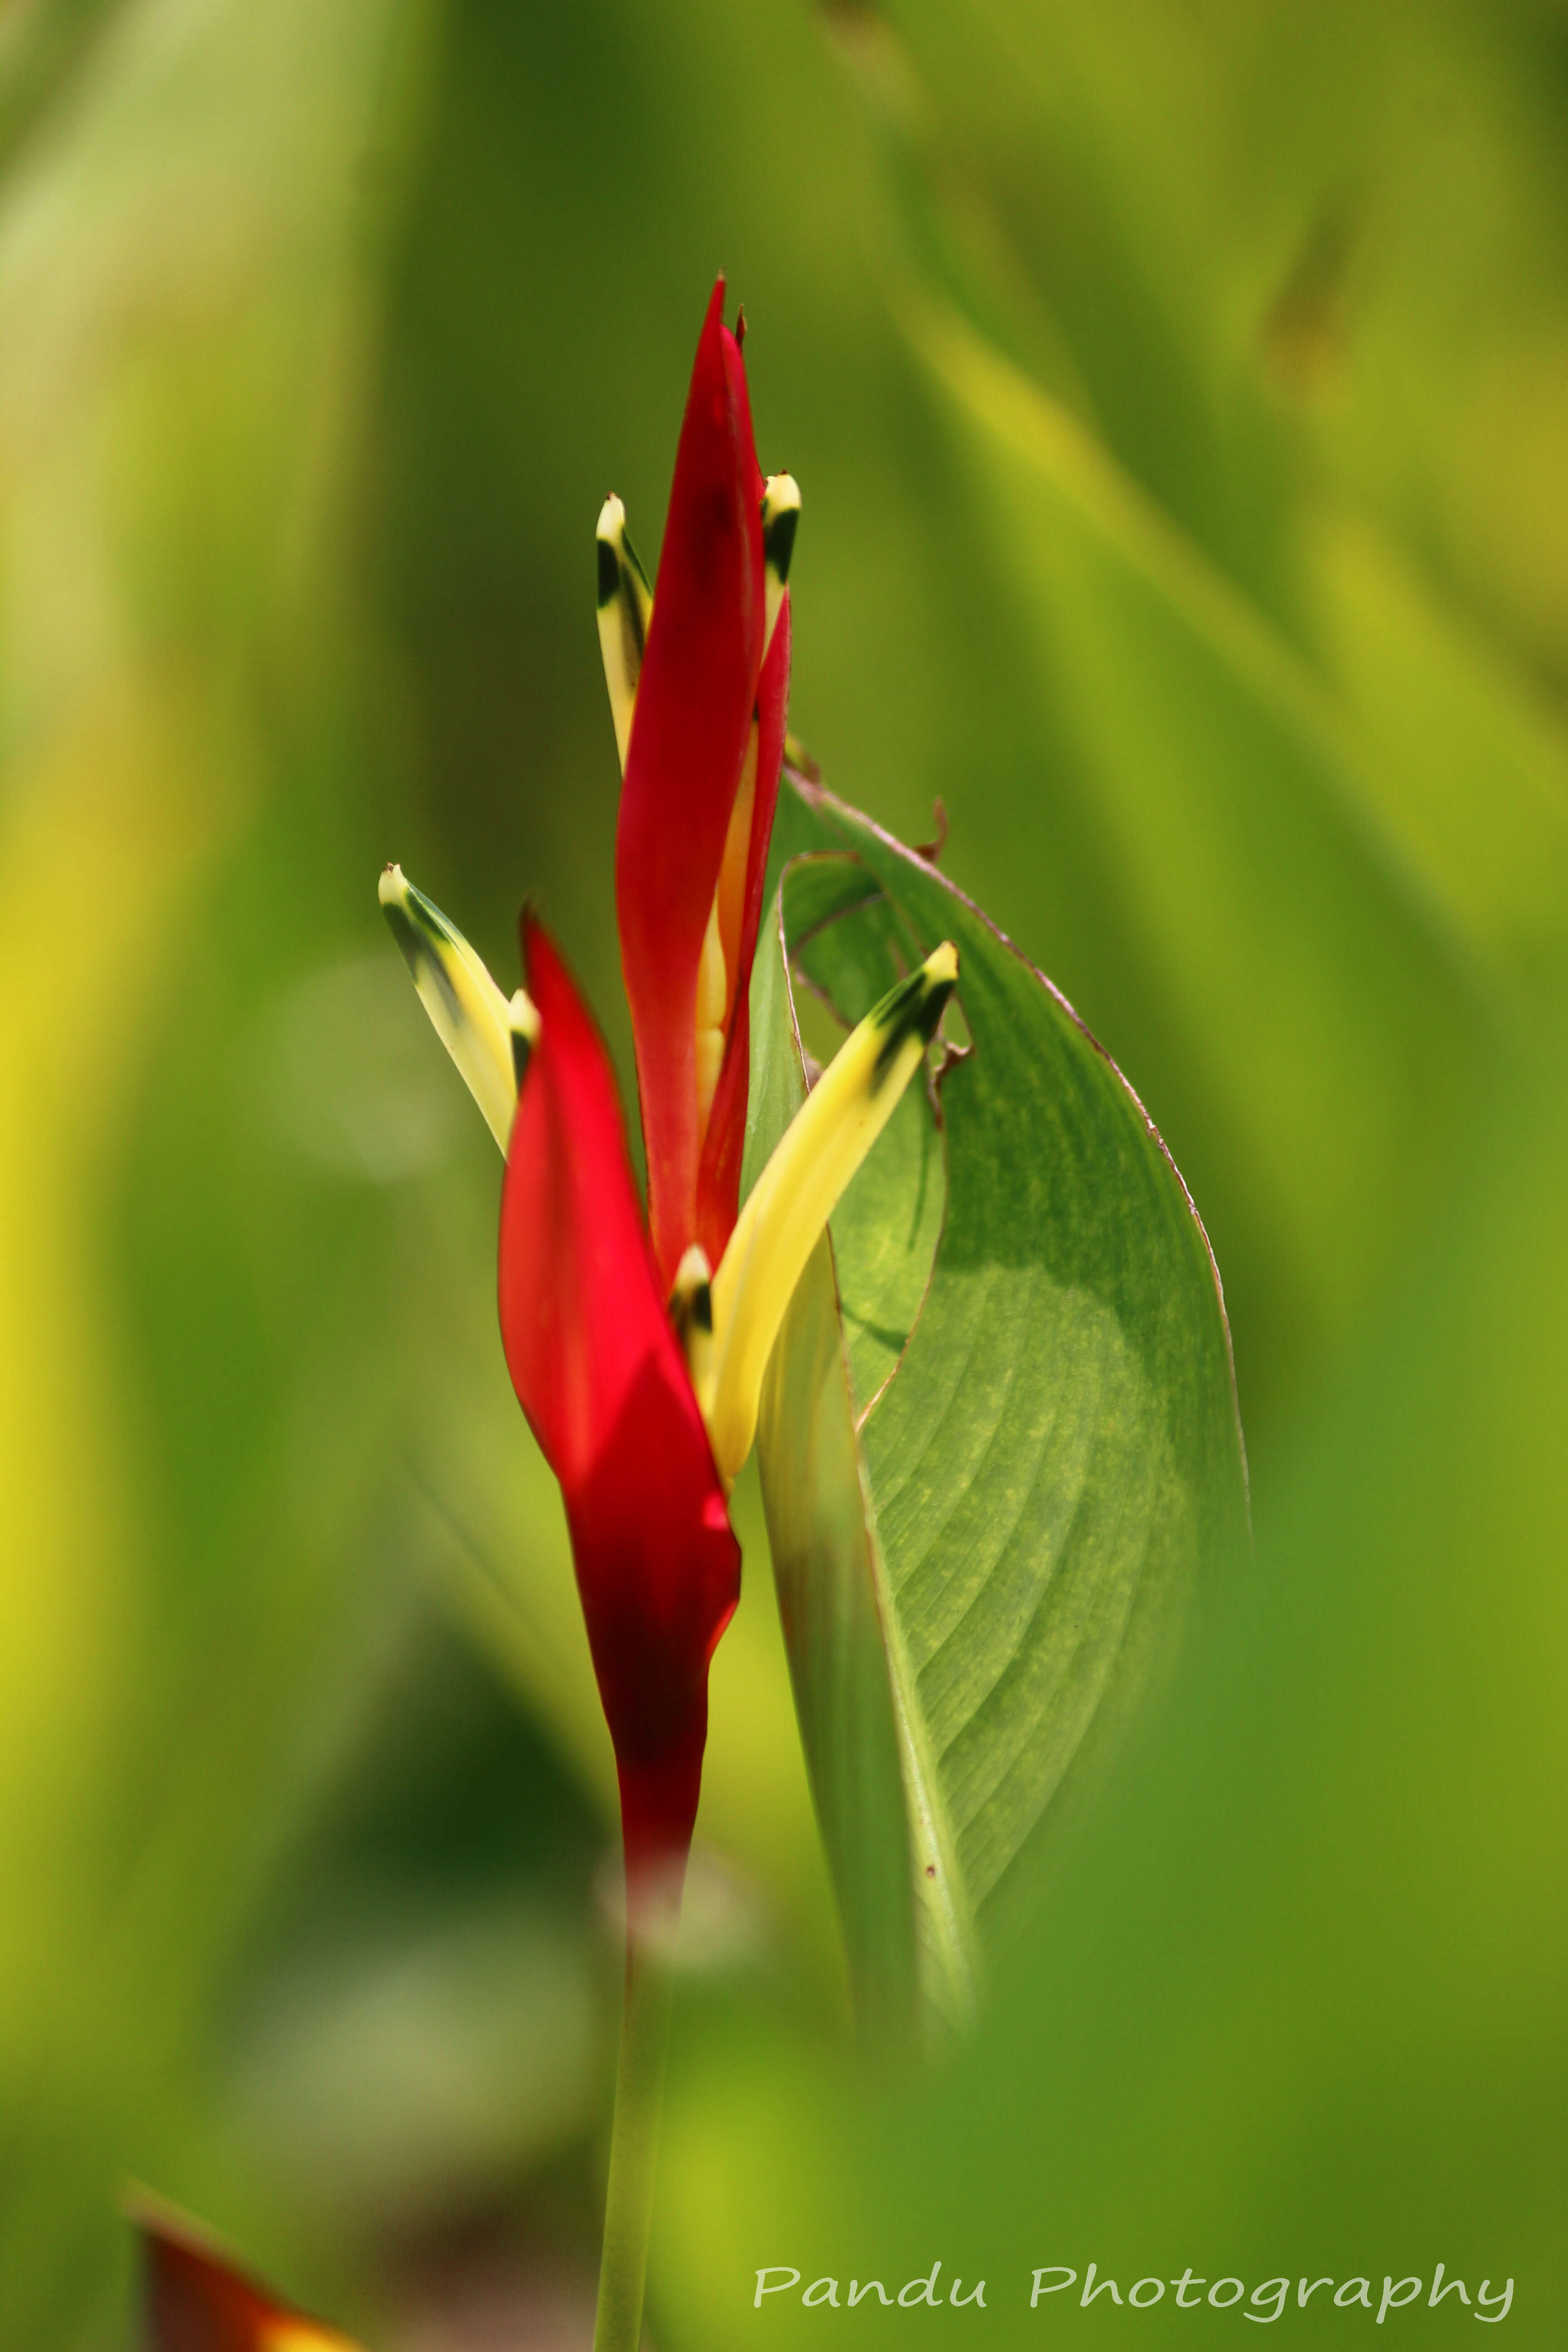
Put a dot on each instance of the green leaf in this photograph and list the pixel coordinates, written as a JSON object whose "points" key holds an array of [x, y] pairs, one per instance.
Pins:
{"points": [[1053, 1447]]}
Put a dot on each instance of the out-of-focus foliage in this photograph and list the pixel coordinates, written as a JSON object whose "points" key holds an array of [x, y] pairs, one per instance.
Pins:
{"points": [[1173, 304], [1176, 392], [1299, 2006]]}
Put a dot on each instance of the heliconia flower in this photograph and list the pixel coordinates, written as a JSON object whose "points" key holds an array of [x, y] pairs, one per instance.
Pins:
{"points": [[195, 2301], [699, 680], [638, 1350], [644, 1403]]}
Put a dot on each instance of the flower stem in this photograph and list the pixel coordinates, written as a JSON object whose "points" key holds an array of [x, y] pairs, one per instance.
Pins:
{"points": [[633, 2145]]}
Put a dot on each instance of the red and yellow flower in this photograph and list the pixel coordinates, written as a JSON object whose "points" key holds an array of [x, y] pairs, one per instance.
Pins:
{"points": [[638, 1349]]}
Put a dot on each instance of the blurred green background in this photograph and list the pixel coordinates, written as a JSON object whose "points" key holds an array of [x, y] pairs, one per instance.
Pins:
{"points": [[1179, 392]]}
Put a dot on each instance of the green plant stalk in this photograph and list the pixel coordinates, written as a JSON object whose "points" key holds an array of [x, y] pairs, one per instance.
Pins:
{"points": [[633, 2145]]}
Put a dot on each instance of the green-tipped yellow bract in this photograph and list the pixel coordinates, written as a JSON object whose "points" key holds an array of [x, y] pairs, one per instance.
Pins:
{"points": [[800, 1187], [691, 1312], [481, 1029], [625, 609], [781, 514]]}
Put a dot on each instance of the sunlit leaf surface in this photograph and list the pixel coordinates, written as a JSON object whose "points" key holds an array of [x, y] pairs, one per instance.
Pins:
{"points": [[1053, 1450]]}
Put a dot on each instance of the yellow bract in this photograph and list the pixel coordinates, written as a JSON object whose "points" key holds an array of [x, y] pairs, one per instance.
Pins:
{"points": [[800, 1187], [625, 608], [781, 513], [484, 1032]]}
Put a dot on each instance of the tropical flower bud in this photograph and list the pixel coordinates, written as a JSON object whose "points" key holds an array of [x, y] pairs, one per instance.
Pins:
{"points": [[638, 1349]]}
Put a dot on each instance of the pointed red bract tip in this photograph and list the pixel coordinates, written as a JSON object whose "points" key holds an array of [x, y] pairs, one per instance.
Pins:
{"points": [[196, 2301], [600, 1375], [695, 697]]}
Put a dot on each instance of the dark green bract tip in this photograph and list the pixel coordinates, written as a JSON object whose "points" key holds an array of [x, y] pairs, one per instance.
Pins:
{"points": [[419, 937], [609, 573], [910, 1009], [778, 541], [692, 1310], [415, 948]]}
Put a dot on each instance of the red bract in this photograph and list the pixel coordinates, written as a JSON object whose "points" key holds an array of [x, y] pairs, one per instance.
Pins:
{"points": [[696, 813], [196, 2301], [600, 1376]]}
